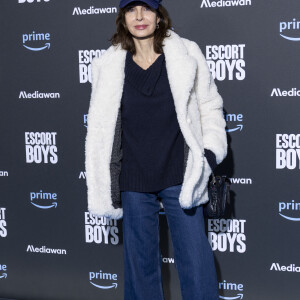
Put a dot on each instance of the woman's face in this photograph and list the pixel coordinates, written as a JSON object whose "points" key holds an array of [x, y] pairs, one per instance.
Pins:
{"points": [[140, 19]]}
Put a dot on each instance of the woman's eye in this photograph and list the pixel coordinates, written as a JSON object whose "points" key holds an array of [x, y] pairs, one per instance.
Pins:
{"points": [[130, 8]]}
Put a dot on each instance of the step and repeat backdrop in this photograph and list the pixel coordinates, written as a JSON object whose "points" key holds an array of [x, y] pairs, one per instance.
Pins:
{"points": [[50, 246]]}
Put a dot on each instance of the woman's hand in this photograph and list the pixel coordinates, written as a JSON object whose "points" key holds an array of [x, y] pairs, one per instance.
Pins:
{"points": [[211, 159]]}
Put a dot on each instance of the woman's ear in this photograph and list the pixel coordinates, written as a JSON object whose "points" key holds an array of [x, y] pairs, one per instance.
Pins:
{"points": [[157, 19]]}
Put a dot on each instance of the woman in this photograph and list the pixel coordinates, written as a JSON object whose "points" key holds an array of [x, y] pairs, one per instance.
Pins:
{"points": [[155, 132]]}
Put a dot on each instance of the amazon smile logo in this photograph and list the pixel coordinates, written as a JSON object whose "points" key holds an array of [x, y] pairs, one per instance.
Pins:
{"points": [[237, 119], [3, 270], [38, 41], [103, 277], [237, 288], [239, 296], [290, 210], [40, 196], [293, 28]]}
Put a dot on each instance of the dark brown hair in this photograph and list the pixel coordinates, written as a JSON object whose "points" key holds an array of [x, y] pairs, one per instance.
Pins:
{"points": [[123, 36]]}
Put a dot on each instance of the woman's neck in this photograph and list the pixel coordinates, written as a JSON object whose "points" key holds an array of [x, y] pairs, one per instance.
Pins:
{"points": [[145, 53]]}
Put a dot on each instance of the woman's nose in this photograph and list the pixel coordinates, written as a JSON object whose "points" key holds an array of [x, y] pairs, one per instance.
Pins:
{"points": [[139, 14]]}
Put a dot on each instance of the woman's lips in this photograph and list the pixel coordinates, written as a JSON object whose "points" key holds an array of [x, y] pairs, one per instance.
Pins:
{"points": [[140, 26]]}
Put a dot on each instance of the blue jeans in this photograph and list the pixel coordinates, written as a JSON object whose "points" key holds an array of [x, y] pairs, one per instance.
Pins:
{"points": [[193, 255]]}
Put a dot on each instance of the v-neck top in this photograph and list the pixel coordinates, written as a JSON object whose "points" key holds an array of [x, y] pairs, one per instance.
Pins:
{"points": [[144, 80], [152, 142]]}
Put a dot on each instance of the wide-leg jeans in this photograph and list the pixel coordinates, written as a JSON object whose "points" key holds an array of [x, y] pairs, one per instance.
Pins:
{"points": [[193, 256]]}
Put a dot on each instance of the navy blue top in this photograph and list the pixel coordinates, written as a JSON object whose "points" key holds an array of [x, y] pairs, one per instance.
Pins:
{"points": [[152, 142]]}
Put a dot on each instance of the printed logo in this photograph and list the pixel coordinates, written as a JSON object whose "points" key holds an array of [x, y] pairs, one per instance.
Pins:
{"points": [[82, 175], [226, 61], [104, 277], [290, 268], [227, 234], [168, 260], [41, 196], [3, 269], [44, 249], [85, 58], [287, 151], [293, 28], [36, 38], [224, 3], [3, 173], [3, 224], [294, 92], [85, 120], [290, 208], [38, 95], [237, 119], [41, 147], [32, 1], [100, 230], [241, 180], [231, 288], [94, 11]]}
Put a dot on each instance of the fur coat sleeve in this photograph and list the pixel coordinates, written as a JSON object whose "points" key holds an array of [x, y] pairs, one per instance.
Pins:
{"points": [[210, 105]]}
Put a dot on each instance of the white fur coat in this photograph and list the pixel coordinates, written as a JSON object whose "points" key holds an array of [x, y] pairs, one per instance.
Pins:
{"points": [[199, 109]]}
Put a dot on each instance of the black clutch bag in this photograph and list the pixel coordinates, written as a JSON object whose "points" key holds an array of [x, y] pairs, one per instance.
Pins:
{"points": [[219, 197]]}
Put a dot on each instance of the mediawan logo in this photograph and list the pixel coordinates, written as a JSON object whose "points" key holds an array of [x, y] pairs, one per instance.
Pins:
{"points": [[168, 260], [3, 173], [32, 1], [241, 180], [294, 92], [3, 270], [38, 95], [226, 61], [287, 151], [224, 3], [3, 229], [100, 230], [42, 197], [41, 147], [291, 30], [44, 249], [82, 175], [227, 235], [85, 58], [236, 119], [104, 277], [37, 41], [236, 289], [94, 11], [289, 210], [291, 268]]}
